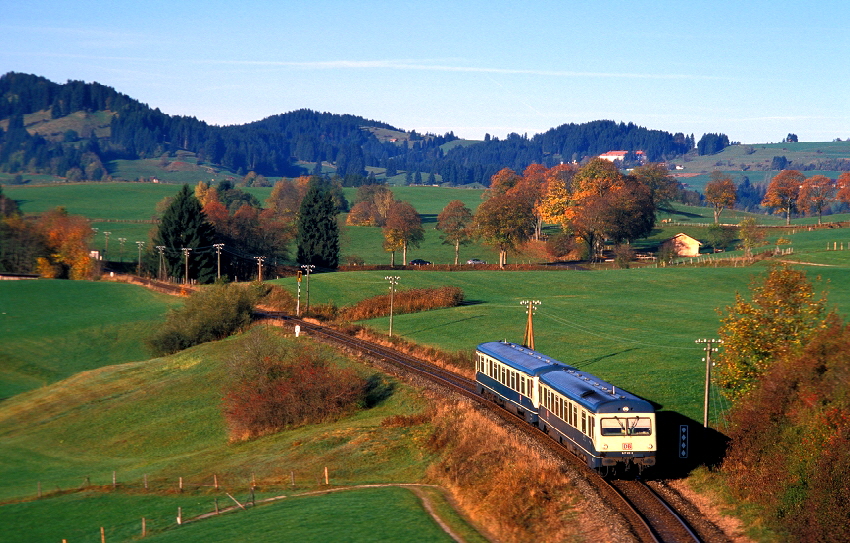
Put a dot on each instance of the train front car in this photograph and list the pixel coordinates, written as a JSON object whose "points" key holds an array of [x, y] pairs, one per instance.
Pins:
{"points": [[605, 425], [509, 374]]}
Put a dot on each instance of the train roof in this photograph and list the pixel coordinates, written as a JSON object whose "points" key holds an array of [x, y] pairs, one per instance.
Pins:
{"points": [[520, 358], [593, 393]]}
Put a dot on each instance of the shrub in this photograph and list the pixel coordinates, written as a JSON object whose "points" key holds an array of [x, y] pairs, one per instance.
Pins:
{"points": [[790, 439], [276, 385], [500, 481], [209, 314], [405, 301], [623, 255]]}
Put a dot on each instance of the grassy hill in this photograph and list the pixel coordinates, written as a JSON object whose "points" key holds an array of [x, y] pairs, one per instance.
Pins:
{"points": [[51, 330], [160, 420]]}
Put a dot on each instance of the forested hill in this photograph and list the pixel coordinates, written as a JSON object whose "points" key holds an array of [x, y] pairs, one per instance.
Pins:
{"points": [[73, 129]]}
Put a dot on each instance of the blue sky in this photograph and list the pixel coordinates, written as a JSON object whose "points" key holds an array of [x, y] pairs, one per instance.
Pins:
{"points": [[753, 70]]}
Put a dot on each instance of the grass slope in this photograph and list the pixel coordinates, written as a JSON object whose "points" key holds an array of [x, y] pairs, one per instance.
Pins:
{"points": [[50, 330]]}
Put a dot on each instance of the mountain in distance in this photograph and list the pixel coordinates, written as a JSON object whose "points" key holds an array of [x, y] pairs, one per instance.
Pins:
{"points": [[74, 129]]}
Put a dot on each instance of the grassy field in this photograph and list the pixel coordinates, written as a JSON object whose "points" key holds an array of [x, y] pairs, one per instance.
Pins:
{"points": [[51, 330], [369, 514], [635, 327]]}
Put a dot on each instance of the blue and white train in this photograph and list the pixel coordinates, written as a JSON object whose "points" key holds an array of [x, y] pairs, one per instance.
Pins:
{"points": [[604, 425]]}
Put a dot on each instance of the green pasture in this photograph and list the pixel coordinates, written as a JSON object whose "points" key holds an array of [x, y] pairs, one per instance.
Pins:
{"points": [[51, 330], [634, 327], [367, 514], [162, 418]]}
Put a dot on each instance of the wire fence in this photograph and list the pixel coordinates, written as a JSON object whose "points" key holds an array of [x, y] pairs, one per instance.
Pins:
{"points": [[205, 497]]}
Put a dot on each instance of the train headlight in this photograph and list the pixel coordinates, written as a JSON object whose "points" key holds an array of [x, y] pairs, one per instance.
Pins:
{"points": [[605, 446], [626, 409], [649, 446]]}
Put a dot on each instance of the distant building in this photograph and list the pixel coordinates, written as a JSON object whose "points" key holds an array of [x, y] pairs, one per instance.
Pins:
{"points": [[621, 156], [685, 245]]}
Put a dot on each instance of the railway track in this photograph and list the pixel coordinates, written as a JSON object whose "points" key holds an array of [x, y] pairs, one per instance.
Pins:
{"points": [[648, 516]]}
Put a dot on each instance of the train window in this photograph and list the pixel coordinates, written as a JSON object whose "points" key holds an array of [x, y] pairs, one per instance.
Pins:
{"points": [[621, 426], [522, 385], [584, 422]]}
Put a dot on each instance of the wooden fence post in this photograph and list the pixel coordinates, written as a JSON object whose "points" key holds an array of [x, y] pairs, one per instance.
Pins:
{"points": [[180, 484], [114, 480], [326, 475], [215, 481], [292, 476], [146, 481], [179, 516], [102, 535], [144, 527], [216, 506]]}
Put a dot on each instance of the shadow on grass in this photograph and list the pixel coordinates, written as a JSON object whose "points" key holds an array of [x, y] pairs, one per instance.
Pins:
{"points": [[378, 389], [591, 361]]}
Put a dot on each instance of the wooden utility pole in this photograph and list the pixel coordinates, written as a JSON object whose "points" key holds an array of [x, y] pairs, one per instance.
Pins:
{"points": [[709, 348], [529, 325]]}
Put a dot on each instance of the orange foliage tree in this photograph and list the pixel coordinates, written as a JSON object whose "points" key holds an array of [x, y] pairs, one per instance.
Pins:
{"points": [[720, 193], [67, 238], [843, 186], [817, 192], [783, 192]]}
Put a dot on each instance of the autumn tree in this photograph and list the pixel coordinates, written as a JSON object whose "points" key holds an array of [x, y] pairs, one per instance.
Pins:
{"points": [[816, 194], [662, 186], [721, 193], [66, 238], [317, 235], [751, 236], [185, 226], [843, 186], [505, 223], [783, 192], [501, 182], [403, 229], [783, 313], [455, 222]]}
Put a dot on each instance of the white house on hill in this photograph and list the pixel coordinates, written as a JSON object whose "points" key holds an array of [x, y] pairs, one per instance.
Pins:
{"points": [[621, 155]]}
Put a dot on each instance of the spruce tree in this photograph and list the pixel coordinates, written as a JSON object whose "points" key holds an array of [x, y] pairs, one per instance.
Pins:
{"points": [[184, 225], [318, 231]]}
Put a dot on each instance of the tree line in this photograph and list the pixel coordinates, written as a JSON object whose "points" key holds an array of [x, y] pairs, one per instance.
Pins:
{"points": [[274, 145]]}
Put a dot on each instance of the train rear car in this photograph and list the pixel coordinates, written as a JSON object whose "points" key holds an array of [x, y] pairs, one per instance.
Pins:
{"points": [[509, 375]]}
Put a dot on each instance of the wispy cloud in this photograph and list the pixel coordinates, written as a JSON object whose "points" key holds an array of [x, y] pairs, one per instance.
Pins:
{"points": [[400, 65]]}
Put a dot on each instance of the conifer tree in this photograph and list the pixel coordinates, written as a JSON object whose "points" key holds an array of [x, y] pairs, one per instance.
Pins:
{"points": [[184, 225], [318, 231]]}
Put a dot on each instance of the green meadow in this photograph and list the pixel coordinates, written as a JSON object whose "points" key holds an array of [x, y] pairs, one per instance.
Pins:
{"points": [[51, 330]]}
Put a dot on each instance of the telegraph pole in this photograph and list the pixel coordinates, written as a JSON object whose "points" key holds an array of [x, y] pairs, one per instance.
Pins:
{"points": [[139, 261], [186, 258], [121, 251], [161, 248], [106, 247], [709, 348], [260, 268], [529, 325], [218, 247], [307, 269], [298, 305], [393, 279]]}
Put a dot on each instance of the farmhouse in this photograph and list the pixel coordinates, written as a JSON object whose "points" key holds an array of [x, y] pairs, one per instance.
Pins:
{"points": [[685, 245], [621, 155]]}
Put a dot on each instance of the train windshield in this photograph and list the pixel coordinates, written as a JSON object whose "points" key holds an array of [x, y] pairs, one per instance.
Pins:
{"points": [[626, 426]]}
